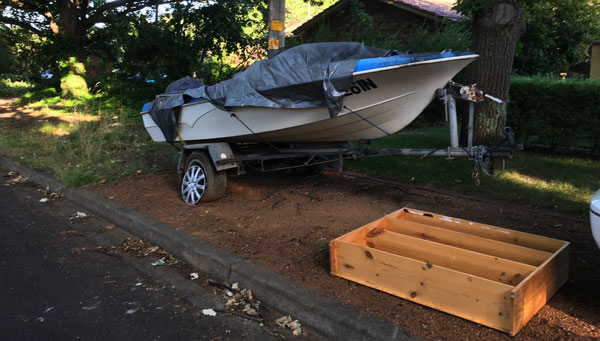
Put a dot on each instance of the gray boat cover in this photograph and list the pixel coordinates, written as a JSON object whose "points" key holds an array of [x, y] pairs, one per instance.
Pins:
{"points": [[306, 76]]}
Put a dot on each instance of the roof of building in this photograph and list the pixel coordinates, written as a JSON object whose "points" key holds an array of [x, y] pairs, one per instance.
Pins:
{"points": [[441, 8], [432, 9]]}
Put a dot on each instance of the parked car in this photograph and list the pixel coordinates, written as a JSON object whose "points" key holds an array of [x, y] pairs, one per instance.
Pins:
{"points": [[595, 217]]}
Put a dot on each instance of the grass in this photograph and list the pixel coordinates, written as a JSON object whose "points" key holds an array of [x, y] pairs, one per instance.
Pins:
{"points": [[559, 183], [82, 142]]}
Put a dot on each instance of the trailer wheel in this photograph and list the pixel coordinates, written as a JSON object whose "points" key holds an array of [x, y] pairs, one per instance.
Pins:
{"points": [[201, 181]]}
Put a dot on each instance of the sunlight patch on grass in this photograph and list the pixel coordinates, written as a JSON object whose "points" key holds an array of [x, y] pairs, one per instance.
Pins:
{"points": [[552, 188], [60, 129]]}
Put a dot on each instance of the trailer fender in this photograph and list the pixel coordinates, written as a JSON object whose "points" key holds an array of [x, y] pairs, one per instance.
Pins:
{"points": [[220, 153]]}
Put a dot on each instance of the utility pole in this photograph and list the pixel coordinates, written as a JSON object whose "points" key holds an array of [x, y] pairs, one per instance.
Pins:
{"points": [[276, 27]]}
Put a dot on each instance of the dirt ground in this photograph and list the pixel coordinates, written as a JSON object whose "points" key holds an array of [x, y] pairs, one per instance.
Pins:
{"points": [[285, 222]]}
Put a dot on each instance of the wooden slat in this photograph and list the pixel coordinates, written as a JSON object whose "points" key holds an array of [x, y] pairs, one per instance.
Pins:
{"points": [[477, 299], [468, 242], [436, 254], [482, 230], [533, 293]]}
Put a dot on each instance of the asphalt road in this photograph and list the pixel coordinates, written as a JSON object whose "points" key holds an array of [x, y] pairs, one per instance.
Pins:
{"points": [[50, 290]]}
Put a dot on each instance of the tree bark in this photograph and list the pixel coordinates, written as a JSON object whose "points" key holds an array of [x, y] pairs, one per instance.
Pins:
{"points": [[497, 29], [72, 19]]}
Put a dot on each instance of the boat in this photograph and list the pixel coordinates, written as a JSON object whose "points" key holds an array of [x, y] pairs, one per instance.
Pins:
{"points": [[384, 95]]}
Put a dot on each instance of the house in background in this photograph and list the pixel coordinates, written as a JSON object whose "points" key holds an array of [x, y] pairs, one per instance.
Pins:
{"points": [[397, 19]]}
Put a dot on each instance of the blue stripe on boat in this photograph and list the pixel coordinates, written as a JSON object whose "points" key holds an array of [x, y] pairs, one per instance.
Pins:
{"points": [[376, 63]]}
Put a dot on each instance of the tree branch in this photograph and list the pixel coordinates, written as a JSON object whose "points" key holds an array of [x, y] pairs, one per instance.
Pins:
{"points": [[27, 26], [26, 5], [132, 6]]}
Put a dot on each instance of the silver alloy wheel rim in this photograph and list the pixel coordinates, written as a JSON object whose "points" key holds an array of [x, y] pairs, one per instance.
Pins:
{"points": [[193, 185]]}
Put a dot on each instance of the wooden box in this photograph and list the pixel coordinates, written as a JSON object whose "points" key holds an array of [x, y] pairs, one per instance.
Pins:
{"points": [[490, 275]]}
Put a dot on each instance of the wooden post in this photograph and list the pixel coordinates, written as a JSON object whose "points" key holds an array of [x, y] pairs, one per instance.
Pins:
{"points": [[276, 27], [595, 61]]}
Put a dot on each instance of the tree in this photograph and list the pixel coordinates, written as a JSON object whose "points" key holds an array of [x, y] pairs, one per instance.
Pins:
{"points": [[497, 28], [179, 42], [6, 56], [559, 34], [209, 40], [66, 20]]}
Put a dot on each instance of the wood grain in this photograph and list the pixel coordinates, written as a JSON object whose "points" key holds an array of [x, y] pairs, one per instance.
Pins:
{"points": [[468, 242]]}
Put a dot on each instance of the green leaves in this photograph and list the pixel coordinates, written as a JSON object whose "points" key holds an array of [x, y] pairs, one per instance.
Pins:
{"points": [[557, 112], [469, 7], [559, 34]]}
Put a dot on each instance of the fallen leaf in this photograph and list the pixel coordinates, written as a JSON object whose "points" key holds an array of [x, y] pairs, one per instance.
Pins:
{"points": [[287, 322]]}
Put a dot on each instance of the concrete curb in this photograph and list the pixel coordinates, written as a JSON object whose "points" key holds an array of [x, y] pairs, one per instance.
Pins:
{"points": [[329, 317], [41, 179]]}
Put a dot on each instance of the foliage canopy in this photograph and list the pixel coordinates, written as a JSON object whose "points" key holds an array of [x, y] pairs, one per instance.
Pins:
{"points": [[183, 40], [559, 34]]}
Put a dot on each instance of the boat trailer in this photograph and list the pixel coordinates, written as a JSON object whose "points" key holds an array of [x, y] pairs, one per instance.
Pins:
{"points": [[202, 167]]}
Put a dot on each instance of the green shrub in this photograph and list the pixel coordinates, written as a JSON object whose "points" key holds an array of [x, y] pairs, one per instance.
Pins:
{"points": [[453, 36], [73, 84], [557, 112], [71, 66], [11, 86]]}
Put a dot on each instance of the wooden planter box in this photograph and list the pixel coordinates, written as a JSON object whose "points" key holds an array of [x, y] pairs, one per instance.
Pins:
{"points": [[490, 275]]}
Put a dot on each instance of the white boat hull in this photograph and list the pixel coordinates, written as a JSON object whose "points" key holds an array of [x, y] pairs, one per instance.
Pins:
{"points": [[390, 98]]}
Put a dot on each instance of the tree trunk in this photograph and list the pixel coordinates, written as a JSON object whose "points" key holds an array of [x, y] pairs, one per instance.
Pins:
{"points": [[72, 19], [497, 29]]}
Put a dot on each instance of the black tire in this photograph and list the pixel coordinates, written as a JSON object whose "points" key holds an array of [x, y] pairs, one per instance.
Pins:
{"points": [[201, 181]]}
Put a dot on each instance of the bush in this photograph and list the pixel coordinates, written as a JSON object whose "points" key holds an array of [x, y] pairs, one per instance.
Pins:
{"points": [[73, 84], [453, 36], [13, 86], [556, 112]]}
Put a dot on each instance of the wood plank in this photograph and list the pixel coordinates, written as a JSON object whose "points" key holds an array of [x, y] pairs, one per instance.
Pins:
{"points": [[533, 293], [436, 254], [468, 242], [477, 299], [357, 236], [482, 230]]}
